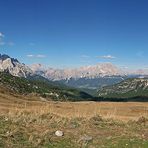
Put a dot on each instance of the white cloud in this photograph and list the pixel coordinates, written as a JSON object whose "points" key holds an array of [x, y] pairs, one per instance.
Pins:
{"points": [[36, 56], [3, 42], [1, 39], [106, 57], [40, 56], [1, 35], [30, 55]]}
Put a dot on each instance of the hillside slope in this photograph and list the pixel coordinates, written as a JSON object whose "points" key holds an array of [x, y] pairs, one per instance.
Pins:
{"points": [[129, 89], [43, 88]]}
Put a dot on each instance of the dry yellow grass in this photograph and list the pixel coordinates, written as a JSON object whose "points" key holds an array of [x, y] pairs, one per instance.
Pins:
{"points": [[124, 111], [26, 122]]}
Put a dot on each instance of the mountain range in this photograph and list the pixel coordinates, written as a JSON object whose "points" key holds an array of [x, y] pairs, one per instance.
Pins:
{"points": [[99, 70], [103, 80], [87, 77], [94, 71], [91, 77]]}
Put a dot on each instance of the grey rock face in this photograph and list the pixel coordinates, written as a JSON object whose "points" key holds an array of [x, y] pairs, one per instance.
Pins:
{"points": [[13, 66]]}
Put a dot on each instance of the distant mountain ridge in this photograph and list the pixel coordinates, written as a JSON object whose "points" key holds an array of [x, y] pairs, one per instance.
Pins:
{"points": [[88, 77], [94, 71]]}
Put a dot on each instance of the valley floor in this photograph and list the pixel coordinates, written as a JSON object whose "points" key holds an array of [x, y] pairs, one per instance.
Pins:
{"points": [[26, 122]]}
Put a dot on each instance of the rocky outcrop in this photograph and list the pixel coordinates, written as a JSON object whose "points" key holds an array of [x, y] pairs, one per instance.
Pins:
{"points": [[14, 67]]}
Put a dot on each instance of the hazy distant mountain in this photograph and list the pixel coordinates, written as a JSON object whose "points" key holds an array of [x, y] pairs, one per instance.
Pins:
{"points": [[93, 71], [88, 77], [13, 66], [99, 70]]}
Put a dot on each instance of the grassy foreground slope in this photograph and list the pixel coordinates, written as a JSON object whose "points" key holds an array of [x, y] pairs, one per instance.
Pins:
{"points": [[26, 122], [35, 125], [42, 87]]}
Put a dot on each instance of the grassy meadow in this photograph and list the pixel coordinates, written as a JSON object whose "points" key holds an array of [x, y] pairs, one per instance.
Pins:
{"points": [[26, 122]]}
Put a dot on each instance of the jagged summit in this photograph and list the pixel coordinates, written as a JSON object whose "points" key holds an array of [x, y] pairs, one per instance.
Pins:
{"points": [[13, 66], [4, 57]]}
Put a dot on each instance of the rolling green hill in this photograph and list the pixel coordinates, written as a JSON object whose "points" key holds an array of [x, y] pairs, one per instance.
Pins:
{"points": [[128, 90]]}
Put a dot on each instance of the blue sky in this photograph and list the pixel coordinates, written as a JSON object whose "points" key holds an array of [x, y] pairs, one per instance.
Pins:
{"points": [[72, 33]]}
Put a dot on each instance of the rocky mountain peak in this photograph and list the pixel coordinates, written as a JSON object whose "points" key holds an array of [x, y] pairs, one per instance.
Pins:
{"points": [[4, 57], [13, 66]]}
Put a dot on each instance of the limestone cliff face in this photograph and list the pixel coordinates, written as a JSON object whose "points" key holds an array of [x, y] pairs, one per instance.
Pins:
{"points": [[13, 66]]}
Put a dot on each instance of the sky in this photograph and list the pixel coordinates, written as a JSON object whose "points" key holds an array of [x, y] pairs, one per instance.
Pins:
{"points": [[73, 33]]}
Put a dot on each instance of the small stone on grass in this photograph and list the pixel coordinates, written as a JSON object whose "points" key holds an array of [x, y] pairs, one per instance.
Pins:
{"points": [[59, 133]]}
